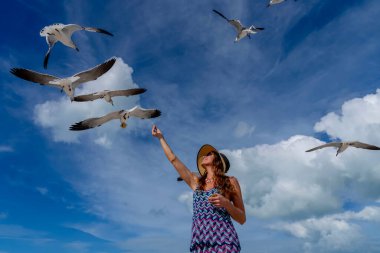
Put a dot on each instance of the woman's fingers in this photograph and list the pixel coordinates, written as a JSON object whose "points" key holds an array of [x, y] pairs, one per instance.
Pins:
{"points": [[154, 130], [214, 199]]}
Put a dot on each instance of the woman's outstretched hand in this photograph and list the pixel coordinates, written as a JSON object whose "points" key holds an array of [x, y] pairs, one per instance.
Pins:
{"points": [[156, 132]]}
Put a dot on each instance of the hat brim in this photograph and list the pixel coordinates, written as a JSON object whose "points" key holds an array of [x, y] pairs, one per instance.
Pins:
{"points": [[204, 150]]}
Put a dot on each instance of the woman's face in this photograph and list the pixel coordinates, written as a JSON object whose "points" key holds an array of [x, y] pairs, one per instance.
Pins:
{"points": [[208, 159]]}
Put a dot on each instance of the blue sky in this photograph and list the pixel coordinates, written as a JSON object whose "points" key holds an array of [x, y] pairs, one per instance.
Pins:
{"points": [[311, 76]]}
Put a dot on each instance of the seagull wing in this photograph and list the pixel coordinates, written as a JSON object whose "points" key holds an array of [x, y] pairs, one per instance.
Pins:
{"points": [[35, 77], [87, 97], [95, 122], [50, 40], [358, 144], [144, 113], [126, 93], [71, 28], [94, 73], [331, 144], [46, 58], [220, 14], [97, 30], [237, 24]]}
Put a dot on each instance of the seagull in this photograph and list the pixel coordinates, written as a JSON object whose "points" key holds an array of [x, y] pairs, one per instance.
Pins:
{"points": [[342, 146], [63, 33], [108, 94], [122, 115], [241, 30], [67, 84], [273, 2]]}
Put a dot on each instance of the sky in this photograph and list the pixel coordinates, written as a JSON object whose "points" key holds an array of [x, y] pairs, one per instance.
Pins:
{"points": [[311, 77]]}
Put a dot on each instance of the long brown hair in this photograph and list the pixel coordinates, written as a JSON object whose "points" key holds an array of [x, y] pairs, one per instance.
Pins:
{"points": [[222, 182]]}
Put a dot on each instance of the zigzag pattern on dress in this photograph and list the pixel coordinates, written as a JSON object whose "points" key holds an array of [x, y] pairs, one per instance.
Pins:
{"points": [[212, 230]]}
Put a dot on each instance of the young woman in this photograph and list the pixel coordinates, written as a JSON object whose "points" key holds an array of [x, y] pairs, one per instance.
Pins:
{"points": [[216, 199]]}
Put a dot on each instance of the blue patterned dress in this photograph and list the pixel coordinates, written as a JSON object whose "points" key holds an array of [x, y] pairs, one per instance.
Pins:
{"points": [[212, 229]]}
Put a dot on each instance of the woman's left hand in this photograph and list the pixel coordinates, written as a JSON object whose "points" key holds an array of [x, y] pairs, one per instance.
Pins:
{"points": [[218, 200]]}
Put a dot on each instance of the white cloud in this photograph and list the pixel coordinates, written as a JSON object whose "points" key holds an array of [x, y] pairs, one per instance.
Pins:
{"points": [[359, 120], [325, 234], [4, 148], [336, 232], [281, 180], [369, 213], [58, 115]]}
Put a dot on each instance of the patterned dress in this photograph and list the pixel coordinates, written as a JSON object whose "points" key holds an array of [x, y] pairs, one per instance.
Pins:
{"points": [[212, 229]]}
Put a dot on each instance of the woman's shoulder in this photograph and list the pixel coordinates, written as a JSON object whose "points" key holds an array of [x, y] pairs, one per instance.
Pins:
{"points": [[233, 180]]}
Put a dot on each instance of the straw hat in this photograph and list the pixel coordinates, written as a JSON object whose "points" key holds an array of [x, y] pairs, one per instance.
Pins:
{"points": [[204, 150]]}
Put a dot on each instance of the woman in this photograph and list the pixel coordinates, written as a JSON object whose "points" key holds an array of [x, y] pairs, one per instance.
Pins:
{"points": [[216, 199]]}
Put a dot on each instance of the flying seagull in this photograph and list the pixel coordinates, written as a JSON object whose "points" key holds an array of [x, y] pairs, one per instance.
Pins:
{"points": [[122, 115], [342, 146], [62, 33], [273, 2], [67, 84], [108, 94], [241, 30]]}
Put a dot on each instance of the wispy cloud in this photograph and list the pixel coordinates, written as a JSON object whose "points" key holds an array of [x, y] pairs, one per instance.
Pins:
{"points": [[243, 129], [21, 233], [78, 246], [42, 190], [4, 148]]}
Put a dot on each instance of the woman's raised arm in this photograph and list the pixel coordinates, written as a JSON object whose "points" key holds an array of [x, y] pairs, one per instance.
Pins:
{"points": [[181, 168]]}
